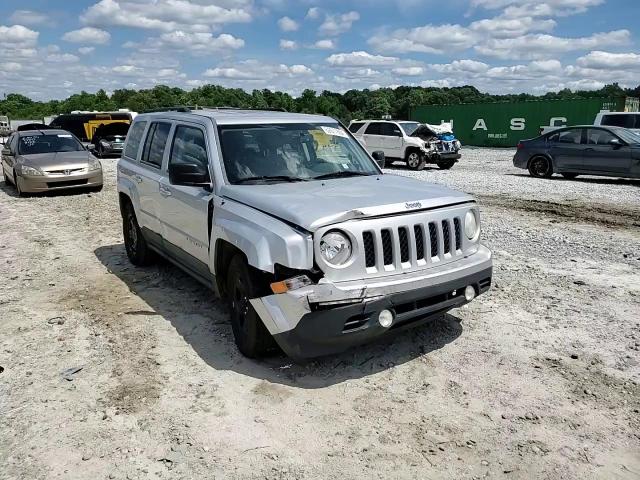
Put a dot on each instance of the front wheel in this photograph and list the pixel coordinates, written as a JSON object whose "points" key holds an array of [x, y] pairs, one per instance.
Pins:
{"points": [[540, 167], [446, 164], [415, 160], [251, 336], [134, 242]]}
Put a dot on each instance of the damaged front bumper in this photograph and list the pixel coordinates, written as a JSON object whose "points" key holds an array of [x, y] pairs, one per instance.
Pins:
{"points": [[330, 317]]}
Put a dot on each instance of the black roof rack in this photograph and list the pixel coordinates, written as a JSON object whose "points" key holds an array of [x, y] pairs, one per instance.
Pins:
{"points": [[189, 108]]}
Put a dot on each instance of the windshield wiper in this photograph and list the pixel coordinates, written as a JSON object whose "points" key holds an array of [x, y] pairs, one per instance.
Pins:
{"points": [[284, 178], [342, 173]]}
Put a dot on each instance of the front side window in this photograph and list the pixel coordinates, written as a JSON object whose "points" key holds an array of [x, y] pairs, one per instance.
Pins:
{"points": [[189, 147], [355, 126], [48, 143], [391, 130], [134, 137], [595, 136], [409, 127], [291, 152], [155, 143]]}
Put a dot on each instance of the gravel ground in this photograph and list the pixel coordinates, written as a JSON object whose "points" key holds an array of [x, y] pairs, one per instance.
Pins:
{"points": [[537, 379]]}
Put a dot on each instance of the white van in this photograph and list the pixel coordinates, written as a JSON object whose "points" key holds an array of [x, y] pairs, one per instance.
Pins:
{"points": [[630, 120]]}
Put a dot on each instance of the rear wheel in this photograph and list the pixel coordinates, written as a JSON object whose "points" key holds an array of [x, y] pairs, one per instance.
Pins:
{"points": [[569, 176], [540, 167], [415, 160], [446, 164], [251, 336], [134, 242]]}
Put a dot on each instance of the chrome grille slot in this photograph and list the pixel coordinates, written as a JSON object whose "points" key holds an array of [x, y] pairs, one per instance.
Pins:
{"points": [[369, 249], [387, 247], [403, 236], [446, 236], [458, 233]]}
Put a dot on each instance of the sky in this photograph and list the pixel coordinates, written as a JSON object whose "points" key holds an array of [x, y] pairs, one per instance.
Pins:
{"points": [[51, 49]]}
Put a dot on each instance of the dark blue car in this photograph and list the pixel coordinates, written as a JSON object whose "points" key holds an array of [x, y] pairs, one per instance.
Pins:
{"points": [[581, 150]]}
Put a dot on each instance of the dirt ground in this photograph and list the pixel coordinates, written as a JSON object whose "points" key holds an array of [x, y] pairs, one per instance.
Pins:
{"points": [[537, 379]]}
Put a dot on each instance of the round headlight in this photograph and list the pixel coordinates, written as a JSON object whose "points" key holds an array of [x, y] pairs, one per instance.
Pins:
{"points": [[335, 248], [471, 226]]}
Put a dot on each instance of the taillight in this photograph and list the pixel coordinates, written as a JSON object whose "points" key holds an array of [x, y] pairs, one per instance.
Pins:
{"points": [[520, 145]]}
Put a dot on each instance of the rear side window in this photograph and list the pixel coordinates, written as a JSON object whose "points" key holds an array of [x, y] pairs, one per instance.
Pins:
{"points": [[134, 138], [374, 128], [155, 144], [567, 136], [355, 126], [626, 121], [189, 147]]}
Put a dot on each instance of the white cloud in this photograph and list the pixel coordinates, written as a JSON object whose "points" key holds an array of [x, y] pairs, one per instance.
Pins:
{"points": [[425, 39], [287, 24], [168, 15], [339, 23], [254, 70], [313, 13], [288, 45], [460, 66], [360, 59], [29, 17], [18, 36], [326, 44], [610, 61], [62, 58], [88, 35], [539, 46], [538, 7], [86, 50], [408, 71], [127, 70], [197, 42], [506, 27]]}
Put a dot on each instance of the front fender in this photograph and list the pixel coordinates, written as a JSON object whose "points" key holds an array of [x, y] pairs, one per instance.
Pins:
{"points": [[264, 239]]}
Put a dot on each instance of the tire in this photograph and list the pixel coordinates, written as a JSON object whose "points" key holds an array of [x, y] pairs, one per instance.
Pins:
{"points": [[251, 336], [446, 164], [415, 160], [569, 176], [135, 244], [540, 167], [16, 184]]}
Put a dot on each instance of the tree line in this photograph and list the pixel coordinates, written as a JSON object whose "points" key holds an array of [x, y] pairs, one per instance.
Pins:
{"points": [[346, 106]]}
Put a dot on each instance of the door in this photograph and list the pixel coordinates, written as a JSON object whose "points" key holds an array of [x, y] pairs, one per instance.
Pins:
{"points": [[8, 158], [148, 174], [567, 150], [392, 140], [373, 138], [185, 208], [604, 158]]}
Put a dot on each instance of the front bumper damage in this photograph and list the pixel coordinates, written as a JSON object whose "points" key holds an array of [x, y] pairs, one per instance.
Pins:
{"points": [[328, 318]]}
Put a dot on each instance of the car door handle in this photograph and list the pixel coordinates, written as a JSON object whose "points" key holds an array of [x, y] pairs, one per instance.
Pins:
{"points": [[164, 191]]}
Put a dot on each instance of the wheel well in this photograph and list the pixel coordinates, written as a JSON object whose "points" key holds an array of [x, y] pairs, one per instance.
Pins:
{"points": [[539, 155], [124, 200], [225, 251], [408, 150]]}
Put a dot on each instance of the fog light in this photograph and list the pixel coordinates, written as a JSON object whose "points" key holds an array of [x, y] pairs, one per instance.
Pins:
{"points": [[385, 318], [469, 293]]}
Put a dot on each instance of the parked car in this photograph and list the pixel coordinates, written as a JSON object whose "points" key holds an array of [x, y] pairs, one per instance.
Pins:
{"points": [[84, 124], [401, 140], [288, 217], [44, 160], [630, 120], [109, 139], [581, 150]]}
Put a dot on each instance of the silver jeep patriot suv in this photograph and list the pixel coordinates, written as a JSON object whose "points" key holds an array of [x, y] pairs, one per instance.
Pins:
{"points": [[289, 218]]}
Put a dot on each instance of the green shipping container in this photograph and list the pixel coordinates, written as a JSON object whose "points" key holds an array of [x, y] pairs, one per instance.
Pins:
{"points": [[504, 124]]}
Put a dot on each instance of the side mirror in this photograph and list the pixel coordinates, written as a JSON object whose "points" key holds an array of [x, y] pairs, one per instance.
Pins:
{"points": [[378, 156], [615, 143], [189, 174], [91, 146]]}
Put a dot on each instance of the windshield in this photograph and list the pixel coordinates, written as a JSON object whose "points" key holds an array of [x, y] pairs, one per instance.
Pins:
{"points": [[291, 152], [627, 135], [48, 143], [409, 127]]}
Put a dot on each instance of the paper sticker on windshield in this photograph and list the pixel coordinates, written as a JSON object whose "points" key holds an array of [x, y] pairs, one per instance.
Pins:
{"points": [[64, 135], [335, 132]]}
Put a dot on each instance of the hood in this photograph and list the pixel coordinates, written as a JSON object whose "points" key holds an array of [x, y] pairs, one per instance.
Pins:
{"points": [[111, 129], [314, 204], [56, 160]]}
